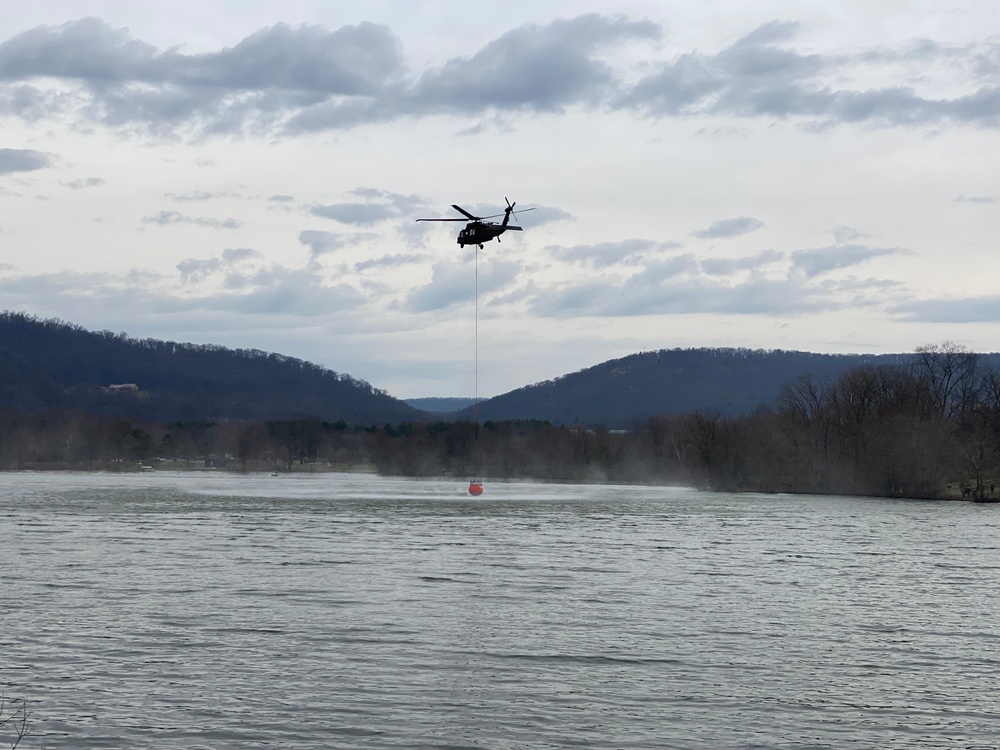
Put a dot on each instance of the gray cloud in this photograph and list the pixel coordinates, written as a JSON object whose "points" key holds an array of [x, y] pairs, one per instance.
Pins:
{"points": [[349, 61], [195, 269], [389, 261], [237, 254], [820, 260], [541, 68], [775, 283], [760, 76], [843, 235], [270, 291], [682, 290], [164, 218], [364, 214], [647, 294], [84, 182], [22, 160], [322, 243], [729, 228], [453, 284], [304, 78], [198, 196], [277, 290], [541, 215], [982, 199], [605, 254], [729, 266], [251, 86], [379, 206], [984, 309]]}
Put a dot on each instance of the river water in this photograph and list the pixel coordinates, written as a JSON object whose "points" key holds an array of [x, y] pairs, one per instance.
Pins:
{"points": [[210, 610]]}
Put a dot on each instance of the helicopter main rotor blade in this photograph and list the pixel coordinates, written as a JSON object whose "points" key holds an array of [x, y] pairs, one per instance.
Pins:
{"points": [[442, 219], [464, 213]]}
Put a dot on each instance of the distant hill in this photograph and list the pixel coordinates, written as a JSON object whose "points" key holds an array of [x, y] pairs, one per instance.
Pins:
{"points": [[47, 364], [53, 365], [440, 405], [622, 392]]}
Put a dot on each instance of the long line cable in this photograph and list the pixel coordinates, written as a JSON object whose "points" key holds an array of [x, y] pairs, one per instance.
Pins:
{"points": [[479, 456]]}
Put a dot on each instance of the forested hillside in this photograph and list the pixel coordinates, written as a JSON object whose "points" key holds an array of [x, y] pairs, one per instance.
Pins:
{"points": [[929, 429], [622, 393], [52, 365], [920, 425]]}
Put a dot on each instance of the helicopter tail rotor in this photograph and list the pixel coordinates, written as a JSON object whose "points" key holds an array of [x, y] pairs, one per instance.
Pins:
{"points": [[510, 208]]}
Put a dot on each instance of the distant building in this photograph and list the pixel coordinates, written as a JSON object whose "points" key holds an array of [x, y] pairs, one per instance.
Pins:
{"points": [[121, 387]]}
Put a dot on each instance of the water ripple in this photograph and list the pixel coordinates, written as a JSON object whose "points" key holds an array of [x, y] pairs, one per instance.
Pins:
{"points": [[207, 610]]}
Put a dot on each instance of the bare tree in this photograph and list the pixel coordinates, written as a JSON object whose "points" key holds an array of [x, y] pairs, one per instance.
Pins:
{"points": [[950, 372], [15, 716]]}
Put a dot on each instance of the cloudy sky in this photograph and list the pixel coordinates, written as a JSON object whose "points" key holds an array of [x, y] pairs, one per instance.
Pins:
{"points": [[820, 175]]}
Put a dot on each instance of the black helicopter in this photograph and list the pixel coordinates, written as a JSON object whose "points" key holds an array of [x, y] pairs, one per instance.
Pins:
{"points": [[478, 230]]}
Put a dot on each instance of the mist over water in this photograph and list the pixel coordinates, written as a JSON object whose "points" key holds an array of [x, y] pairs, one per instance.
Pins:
{"points": [[208, 610]]}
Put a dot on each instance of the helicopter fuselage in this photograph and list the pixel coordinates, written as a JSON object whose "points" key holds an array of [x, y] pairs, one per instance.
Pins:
{"points": [[478, 232]]}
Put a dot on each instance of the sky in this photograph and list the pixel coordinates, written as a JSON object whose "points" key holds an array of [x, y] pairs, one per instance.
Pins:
{"points": [[812, 175]]}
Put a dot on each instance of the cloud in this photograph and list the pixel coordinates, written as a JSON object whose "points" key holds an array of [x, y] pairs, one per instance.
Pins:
{"points": [[603, 254], [455, 283], [683, 290], [538, 68], [761, 76], [125, 82], [195, 269], [984, 309], [22, 160], [379, 206], [767, 283], [164, 218], [730, 266], [364, 214], [322, 243], [651, 294], [388, 261], [85, 182], [236, 254], [277, 290], [200, 196], [304, 78], [729, 228], [845, 235], [540, 215], [287, 79], [351, 60], [821, 260], [251, 289], [981, 199]]}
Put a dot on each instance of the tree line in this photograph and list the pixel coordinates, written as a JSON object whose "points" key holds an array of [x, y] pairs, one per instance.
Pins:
{"points": [[905, 430]]}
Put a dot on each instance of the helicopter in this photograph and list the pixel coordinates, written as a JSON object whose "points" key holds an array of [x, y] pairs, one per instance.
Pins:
{"points": [[479, 230]]}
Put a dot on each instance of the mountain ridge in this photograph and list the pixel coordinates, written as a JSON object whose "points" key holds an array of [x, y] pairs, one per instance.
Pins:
{"points": [[54, 365], [624, 392]]}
